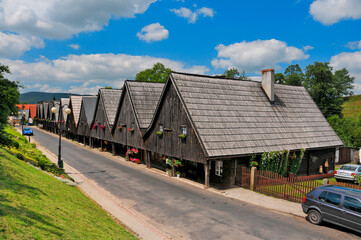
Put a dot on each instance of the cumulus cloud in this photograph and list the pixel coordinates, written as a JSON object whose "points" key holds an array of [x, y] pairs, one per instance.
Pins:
{"points": [[329, 12], [354, 45], [352, 62], [13, 45], [153, 32], [94, 69], [74, 46], [192, 16], [60, 19], [256, 55], [307, 48]]}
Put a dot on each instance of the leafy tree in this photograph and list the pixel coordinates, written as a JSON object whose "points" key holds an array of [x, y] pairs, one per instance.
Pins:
{"points": [[280, 78], [231, 73], [327, 89], [158, 73], [294, 75], [348, 129], [9, 96], [243, 76]]}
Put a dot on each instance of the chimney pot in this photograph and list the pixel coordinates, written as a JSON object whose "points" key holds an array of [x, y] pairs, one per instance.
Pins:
{"points": [[268, 80]]}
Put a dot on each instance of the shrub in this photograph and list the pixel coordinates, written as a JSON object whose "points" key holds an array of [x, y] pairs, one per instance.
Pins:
{"points": [[20, 156]]}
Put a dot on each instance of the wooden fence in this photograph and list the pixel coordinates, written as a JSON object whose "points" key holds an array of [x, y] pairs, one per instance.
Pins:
{"points": [[288, 188]]}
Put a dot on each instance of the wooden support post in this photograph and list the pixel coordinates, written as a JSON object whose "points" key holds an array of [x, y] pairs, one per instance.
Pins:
{"points": [[253, 170], [147, 159], [84, 140], [206, 174], [101, 145], [91, 142], [113, 149]]}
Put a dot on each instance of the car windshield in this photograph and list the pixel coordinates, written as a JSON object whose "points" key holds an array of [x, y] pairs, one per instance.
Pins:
{"points": [[348, 167]]}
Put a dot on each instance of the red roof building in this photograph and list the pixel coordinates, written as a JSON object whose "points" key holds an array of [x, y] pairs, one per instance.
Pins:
{"points": [[30, 107]]}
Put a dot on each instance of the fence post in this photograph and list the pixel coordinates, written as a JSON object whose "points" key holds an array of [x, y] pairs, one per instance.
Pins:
{"points": [[253, 169]]}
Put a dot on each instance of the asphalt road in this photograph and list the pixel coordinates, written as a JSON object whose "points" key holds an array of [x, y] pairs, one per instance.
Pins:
{"points": [[181, 210]]}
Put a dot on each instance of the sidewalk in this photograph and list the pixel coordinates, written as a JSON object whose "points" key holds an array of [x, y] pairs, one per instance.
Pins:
{"points": [[135, 222]]}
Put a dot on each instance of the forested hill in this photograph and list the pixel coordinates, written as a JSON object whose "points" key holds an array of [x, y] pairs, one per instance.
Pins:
{"points": [[35, 97], [352, 106]]}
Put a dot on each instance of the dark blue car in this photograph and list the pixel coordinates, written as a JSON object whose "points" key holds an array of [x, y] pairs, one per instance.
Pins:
{"points": [[334, 204], [28, 132]]}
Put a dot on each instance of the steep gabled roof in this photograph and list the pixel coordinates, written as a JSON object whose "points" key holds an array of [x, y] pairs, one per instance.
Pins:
{"points": [[64, 101], [144, 96], [46, 109], [76, 104], [56, 105], [89, 104], [110, 99], [233, 117]]}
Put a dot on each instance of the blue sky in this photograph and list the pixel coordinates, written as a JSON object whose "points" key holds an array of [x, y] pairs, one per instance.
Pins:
{"points": [[79, 46]]}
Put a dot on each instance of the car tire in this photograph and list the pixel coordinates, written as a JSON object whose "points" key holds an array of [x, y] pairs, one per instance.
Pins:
{"points": [[338, 180], [314, 217]]}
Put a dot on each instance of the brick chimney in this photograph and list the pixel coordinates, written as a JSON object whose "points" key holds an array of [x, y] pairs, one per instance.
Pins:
{"points": [[268, 82]]}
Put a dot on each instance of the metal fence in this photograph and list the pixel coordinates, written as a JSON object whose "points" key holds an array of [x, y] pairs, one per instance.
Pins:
{"points": [[288, 188]]}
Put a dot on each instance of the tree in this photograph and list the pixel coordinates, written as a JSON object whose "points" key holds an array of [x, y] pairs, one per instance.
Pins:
{"points": [[158, 73], [294, 75], [348, 129], [327, 89], [280, 78], [9, 96], [231, 73]]}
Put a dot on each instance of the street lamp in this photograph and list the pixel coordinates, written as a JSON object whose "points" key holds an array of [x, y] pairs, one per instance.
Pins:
{"points": [[22, 122], [67, 111]]}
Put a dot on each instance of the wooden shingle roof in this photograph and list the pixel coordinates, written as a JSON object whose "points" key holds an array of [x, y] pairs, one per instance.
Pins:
{"points": [[233, 117], [89, 104], [111, 99], [63, 102], [46, 109], [56, 105], [76, 105], [144, 96]]}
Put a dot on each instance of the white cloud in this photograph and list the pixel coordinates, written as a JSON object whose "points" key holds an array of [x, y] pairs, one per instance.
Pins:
{"points": [[193, 16], [12, 45], [352, 62], [153, 32], [60, 19], [329, 12], [354, 45], [51, 89], [94, 69], [307, 48], [85, 89], [74, 46], [256, 55]]}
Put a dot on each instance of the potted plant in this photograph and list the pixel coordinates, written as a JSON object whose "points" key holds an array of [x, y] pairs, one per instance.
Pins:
{"points": [[120, 128], [102, 127], [182, 136], [95, 126], [253, 164], [178, 174], [169, 172], [131, 130]]}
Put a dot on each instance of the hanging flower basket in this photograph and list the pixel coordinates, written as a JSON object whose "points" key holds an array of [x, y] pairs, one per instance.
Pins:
{"points": [[131, 130], [102, 127], [182, 136], [95, 126], [159, 133], [120, 128]]}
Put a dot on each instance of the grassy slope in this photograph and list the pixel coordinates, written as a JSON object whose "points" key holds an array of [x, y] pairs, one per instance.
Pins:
{"points": [[34, 205], [352, 106]]}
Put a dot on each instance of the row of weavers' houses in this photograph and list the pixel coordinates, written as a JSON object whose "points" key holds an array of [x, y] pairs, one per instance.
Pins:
{"points": [[213, 125]]}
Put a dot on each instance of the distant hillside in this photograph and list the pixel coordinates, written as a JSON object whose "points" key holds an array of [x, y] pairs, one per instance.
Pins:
{"points": [[35, 97], [352, 106]]}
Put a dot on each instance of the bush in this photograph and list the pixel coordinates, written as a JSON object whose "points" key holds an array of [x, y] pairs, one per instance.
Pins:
{"points": [[20, 156]]}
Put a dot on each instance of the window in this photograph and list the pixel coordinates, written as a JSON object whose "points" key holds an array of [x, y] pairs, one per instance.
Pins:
{"points": [[184, 130], [330, 197], [219, 168], [359, 170], [161, 128], [352, 203]]}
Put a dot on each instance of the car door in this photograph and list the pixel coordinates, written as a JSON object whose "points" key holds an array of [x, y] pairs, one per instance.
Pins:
{"points": [[330, 206], [352, 212]]}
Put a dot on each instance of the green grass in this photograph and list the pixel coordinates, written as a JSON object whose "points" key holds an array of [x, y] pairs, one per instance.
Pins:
{"points": [[352, 106], [34, 205]]}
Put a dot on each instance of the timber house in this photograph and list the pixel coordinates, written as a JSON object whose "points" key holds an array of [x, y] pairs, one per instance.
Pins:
{"points": [[73, 118], [104, 115], [86, 114], [213, 125], [135, 111]]}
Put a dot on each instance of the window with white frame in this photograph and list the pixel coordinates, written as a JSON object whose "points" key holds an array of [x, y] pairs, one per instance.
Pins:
{"points": [[184, 130], [219, 168], [161, 128]]}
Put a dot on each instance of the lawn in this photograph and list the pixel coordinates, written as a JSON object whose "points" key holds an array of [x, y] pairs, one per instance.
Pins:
{"points": [[352, 106], [34, 205]]}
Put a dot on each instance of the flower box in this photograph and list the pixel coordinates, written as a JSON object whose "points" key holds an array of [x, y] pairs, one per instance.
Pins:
{"points": [[131, 130], [95, 126], [102, 127], [159, 133], [182, 136]]}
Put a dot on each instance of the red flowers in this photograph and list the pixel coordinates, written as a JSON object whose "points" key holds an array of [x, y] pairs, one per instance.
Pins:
{"points": [[102, 127], [95, 126]]}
